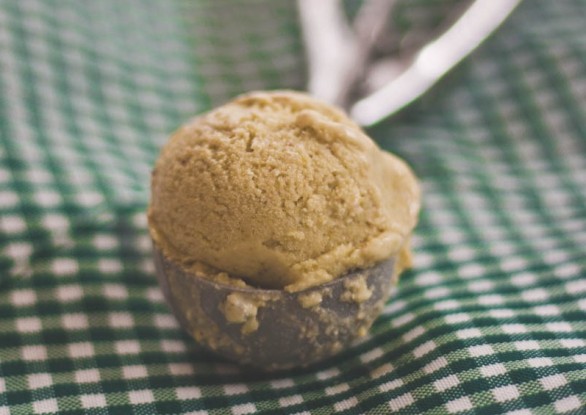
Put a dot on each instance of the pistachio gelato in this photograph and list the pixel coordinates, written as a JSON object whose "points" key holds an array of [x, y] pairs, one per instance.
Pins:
{"points": [[282, 191]]}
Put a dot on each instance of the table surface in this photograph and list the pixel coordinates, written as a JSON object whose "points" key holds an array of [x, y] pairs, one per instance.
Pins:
{"points": [[491, 320]]}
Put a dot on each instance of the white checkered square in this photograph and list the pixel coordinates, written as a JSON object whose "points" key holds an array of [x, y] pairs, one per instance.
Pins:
{"points": [[21, 298], [559, 327], [481, 350], [76, 321], [501, 313], [235, 388], [491, 299], [526, 345], [435, 365], [381, 370], [115, 291], [290, 400], [437, 292], [69, 293], [412, 334], [520, 412], [28, 324], [534, 295], [371, 355], [424, 349], [495, 369], [87, 376], [403, 319], [336, 389], [445, 383], [243, 409], [109, 266], [401, 402], [31, 353], [282, 383], [571, 403], [46, 406], [155, 295], [134, 372], [81, 350], [346, 404], [166, 321], [105, 242], [188, 392], [64, 266], [540, 362], [524, 279], [514, 328], [391, 385], [459, 405], [446, 305], [328, 373], [181, 369], [480, 286], [576, 287], [547, 310], [8, 199], [173, 346], [39, 380], [573, 343], [127, 347], [428, 278], [12, 224], [505, 393], [468, 333], [469, 271], [457, 318], [565, 271], [121, 320], [141, 397], [47, 198], [553, 382], [96, 400]]}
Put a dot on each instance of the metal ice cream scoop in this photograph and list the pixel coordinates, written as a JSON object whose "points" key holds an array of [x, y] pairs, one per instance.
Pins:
{"points": [[341, 69], [275, 329]]}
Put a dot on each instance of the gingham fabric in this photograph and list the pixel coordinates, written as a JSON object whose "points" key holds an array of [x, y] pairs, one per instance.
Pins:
{"points": [[492, 319]]}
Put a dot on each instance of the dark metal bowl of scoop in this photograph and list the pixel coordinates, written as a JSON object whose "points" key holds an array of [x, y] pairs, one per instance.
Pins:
{"points": [[275, 329]]}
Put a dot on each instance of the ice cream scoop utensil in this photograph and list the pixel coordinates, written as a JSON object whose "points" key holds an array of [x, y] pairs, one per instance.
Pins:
{"points": [[276, 223], [413, 74], [275, 329]]}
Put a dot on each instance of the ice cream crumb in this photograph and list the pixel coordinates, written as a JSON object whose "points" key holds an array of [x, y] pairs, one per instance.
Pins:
{"points": [[310, 299], [238, 308], [356, 290]]}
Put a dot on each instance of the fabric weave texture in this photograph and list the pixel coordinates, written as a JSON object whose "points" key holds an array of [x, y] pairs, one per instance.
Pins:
{"points": [[491, 320]]}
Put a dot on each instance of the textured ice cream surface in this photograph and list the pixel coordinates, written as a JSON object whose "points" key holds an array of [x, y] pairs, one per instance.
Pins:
{"points": [[281, 191]]}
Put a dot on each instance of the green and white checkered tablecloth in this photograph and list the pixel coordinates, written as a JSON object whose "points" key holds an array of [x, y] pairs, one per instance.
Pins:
{"points": [[493, 318]]}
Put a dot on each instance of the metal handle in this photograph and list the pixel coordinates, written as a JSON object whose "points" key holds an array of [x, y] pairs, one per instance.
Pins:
{"points": [[434, 60]]}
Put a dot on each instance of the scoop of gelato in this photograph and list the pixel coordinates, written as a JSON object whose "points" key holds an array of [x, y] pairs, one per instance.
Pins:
{"points": [[281, 191]]}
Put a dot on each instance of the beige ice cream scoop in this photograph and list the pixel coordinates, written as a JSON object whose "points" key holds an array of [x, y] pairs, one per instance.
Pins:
{"points": [[271, 200]]}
